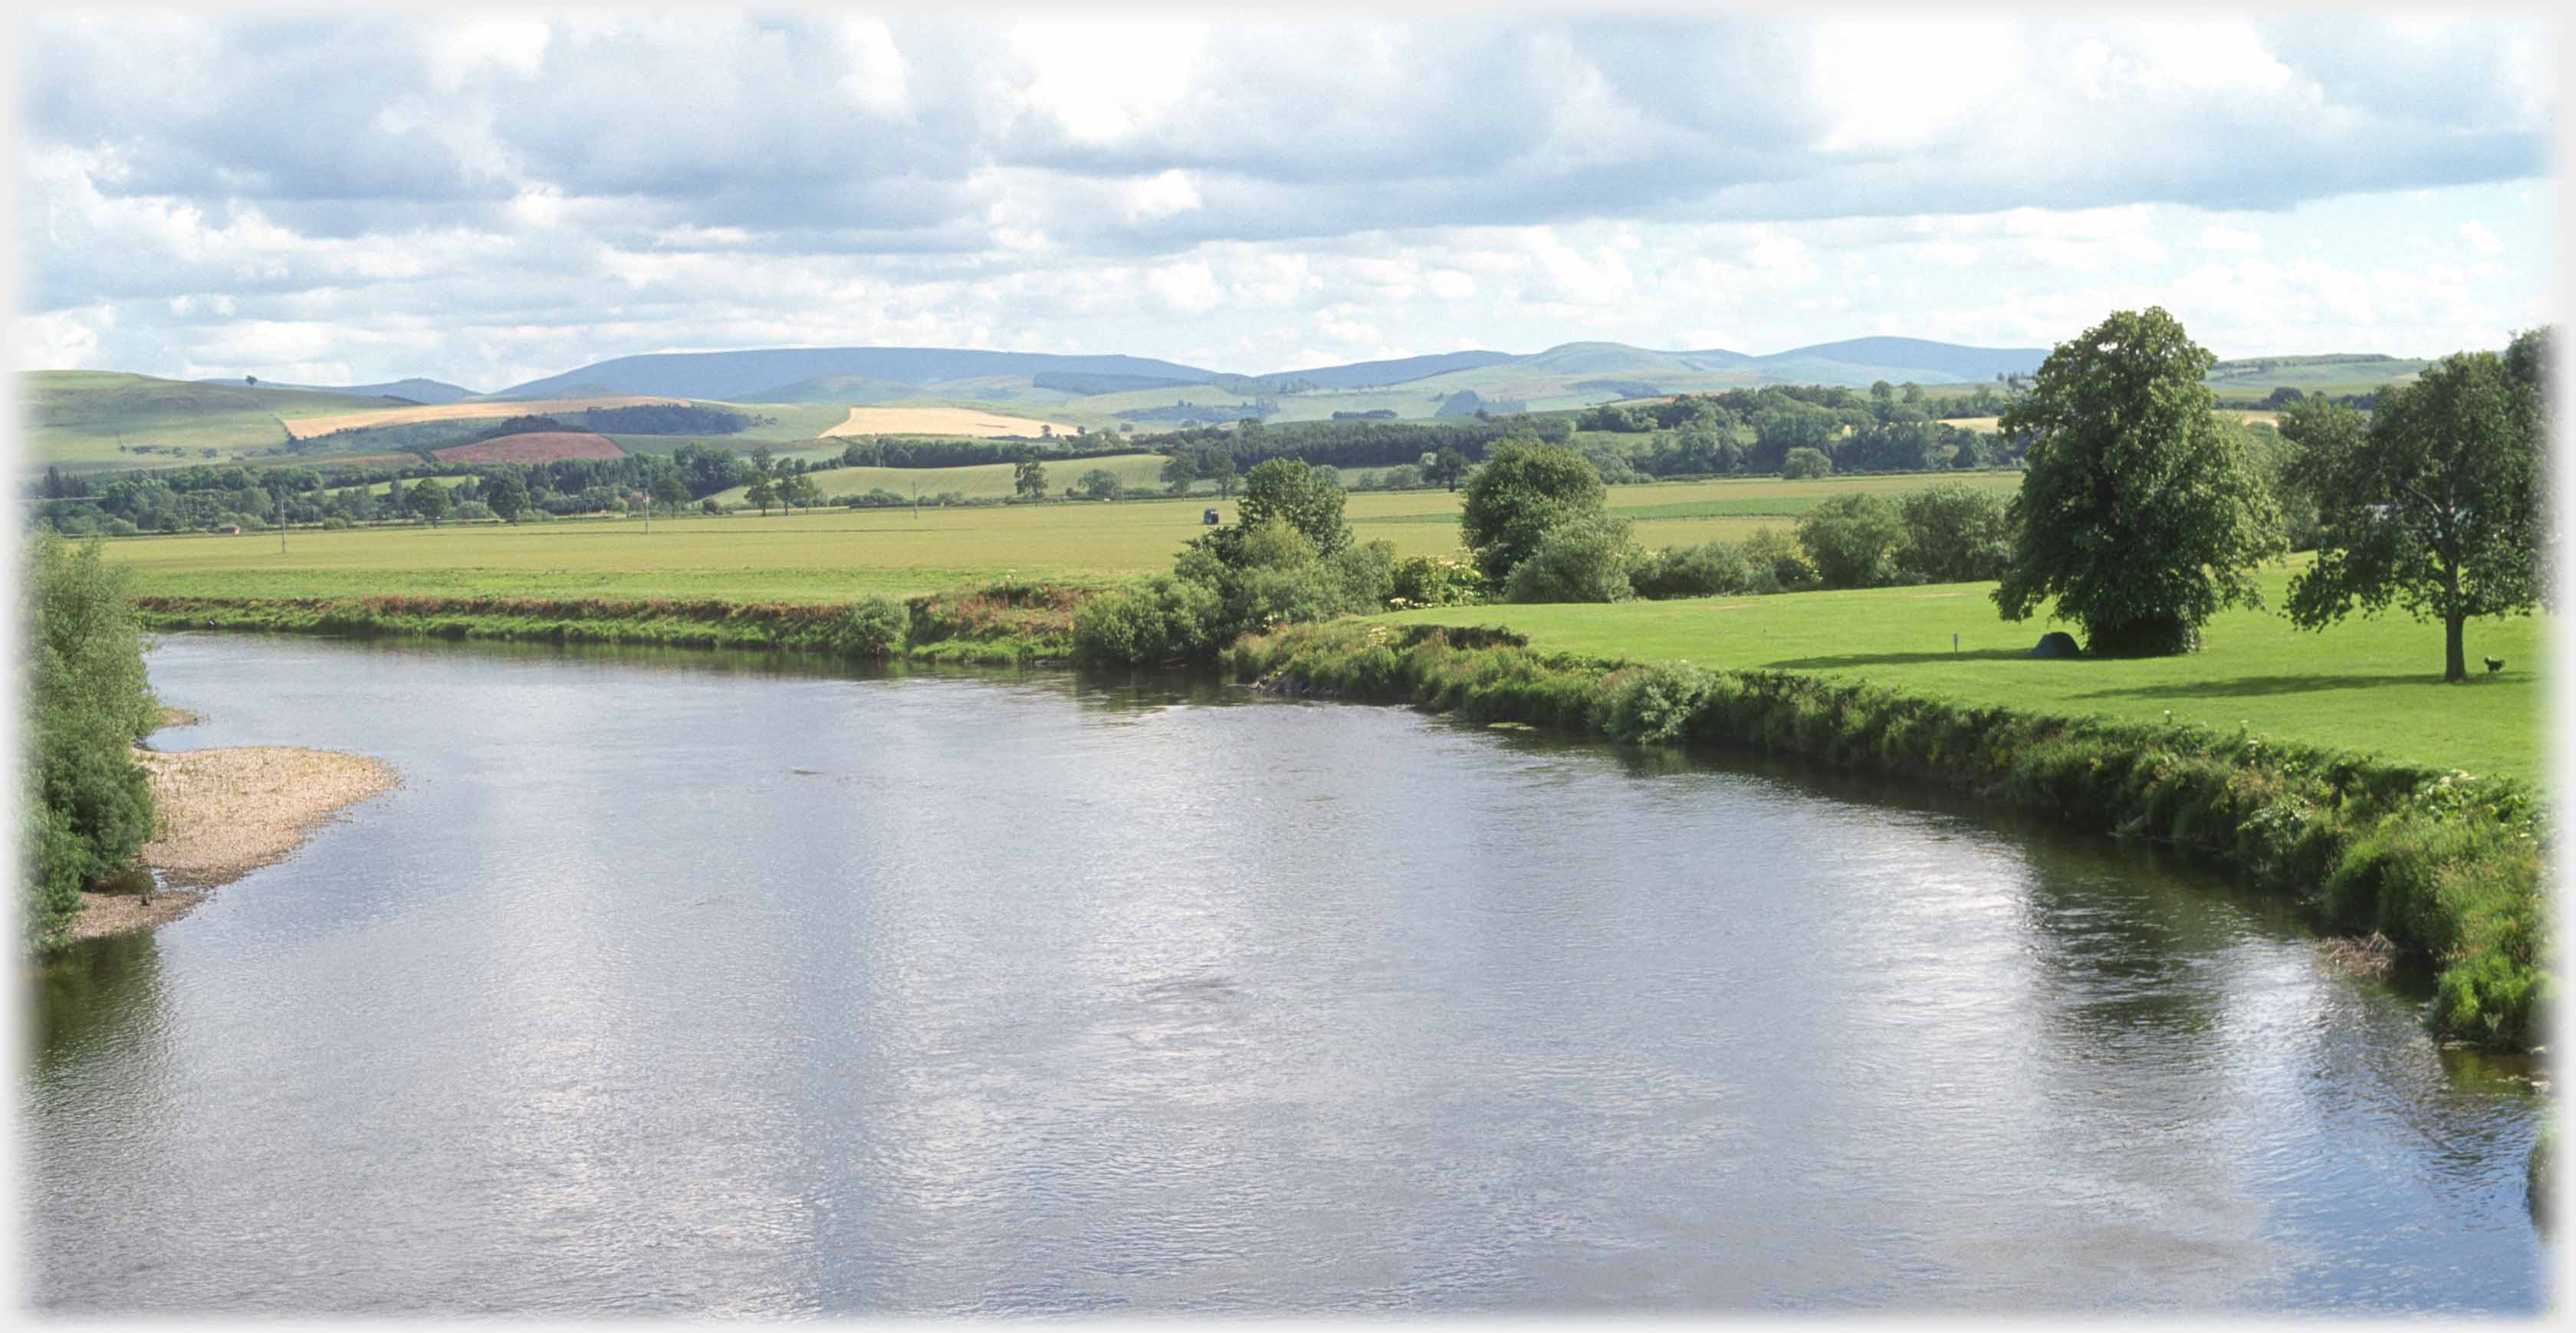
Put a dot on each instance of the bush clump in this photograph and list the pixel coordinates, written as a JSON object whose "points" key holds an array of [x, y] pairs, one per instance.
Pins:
{"points": [[1584, 559], [1713, 569], [87, 806]]}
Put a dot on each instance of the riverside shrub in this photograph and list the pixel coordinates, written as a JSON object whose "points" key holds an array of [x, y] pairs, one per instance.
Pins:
{"points": [[1584, 559], [87, 805], [1713, 569]]}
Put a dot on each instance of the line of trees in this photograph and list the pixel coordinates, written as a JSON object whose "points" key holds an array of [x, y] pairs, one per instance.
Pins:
{"points": [[1356, 444]]}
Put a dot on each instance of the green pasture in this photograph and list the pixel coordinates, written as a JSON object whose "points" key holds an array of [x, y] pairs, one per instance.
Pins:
{"points": [[96, 420], [2365, 684], [829, 554], [818, 555]]}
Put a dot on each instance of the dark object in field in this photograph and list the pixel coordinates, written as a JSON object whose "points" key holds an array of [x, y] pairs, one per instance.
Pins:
{"points": [[2494, 664], [1208, 518], [2056, 643]]}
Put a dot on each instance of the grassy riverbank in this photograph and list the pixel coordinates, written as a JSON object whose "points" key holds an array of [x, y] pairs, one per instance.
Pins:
{"points": [[2447, 865], [1000, 624], [2370, 684]]}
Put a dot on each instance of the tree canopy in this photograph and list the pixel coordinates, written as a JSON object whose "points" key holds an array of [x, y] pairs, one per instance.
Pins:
{"points": [[1300, 496], [2137, 514], [2435, 504], [1524, 489]]}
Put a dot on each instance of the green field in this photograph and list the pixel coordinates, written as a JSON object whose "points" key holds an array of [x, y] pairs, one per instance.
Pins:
{"points": [[90, 421], [830, 554], [2366, 684]]}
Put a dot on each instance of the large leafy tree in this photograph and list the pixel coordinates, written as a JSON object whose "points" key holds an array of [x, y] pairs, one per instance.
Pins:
{"points": [[2435, 504], [507, 495], [1853, 540], [1447, 467], [1306, 499], [2138, 515], [431, 501], [1028, 477], [1524, 489]]}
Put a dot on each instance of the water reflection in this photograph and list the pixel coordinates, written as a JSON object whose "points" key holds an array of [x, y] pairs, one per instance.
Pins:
{"points": [[714, 987]]}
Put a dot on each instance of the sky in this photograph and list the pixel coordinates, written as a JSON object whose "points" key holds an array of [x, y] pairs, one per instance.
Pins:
{"points": [[489, 198]]}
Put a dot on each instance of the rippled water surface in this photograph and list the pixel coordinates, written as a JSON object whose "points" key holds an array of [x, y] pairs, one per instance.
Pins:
{"points": [[678, 983]]}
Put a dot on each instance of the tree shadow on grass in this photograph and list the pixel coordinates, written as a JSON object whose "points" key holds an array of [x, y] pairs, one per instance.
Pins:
{"points": [[2253, 686]]}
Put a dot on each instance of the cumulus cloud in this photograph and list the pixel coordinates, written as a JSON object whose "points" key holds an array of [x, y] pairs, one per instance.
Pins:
{"points": [[495, 193]]}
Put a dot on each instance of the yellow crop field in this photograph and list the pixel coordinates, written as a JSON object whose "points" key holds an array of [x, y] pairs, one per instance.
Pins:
{"points": [[941, 421], [1987, 424], [305, 428]]}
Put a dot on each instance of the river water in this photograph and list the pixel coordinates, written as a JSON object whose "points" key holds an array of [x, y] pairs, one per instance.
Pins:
{"points": [[686, 983]]}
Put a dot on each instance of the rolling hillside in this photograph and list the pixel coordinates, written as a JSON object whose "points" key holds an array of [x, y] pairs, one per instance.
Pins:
{"points": [[734, 376], [94, 420], [431, 392], [98, 420]]}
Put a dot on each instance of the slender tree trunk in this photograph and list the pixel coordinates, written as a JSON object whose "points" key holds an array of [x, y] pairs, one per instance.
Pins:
{"points": [[2455, 655]]}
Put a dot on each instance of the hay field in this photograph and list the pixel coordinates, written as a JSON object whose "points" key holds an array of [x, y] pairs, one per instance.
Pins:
{"points": [[2268, 418], [968, 421], [305, 428]]}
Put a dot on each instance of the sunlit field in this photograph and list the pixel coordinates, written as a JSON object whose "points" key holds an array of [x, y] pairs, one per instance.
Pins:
{"points": [[2366, 684]]}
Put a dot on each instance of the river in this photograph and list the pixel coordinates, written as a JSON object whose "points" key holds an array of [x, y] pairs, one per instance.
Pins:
{"points": [[681, 983]]}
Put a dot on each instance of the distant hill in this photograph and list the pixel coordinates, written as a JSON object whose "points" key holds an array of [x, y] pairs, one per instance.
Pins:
{"points": [[90, 420], [1915, 358], [98, 420], [736, 376], [1621, 359], [432, 393], [1403, 370]]}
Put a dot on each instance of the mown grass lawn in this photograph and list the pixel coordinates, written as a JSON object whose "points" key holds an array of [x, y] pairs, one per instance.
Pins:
{"points": [[2366, 684]]}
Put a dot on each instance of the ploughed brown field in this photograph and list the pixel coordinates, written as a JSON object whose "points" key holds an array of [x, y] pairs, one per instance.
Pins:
{"points": [[536, 446]]}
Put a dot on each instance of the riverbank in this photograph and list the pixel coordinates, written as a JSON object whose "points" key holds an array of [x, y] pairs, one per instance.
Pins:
{"points": [[1001, 624], [2445, 865], [222, 814]]}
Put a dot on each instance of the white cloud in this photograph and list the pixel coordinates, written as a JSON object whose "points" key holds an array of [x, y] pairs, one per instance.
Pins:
{"points": [[876, 76], [2231, 240], [527, 195], [1449, 284], [1185, 289], [456, 53], [1161, 196], [1103, 80]]}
